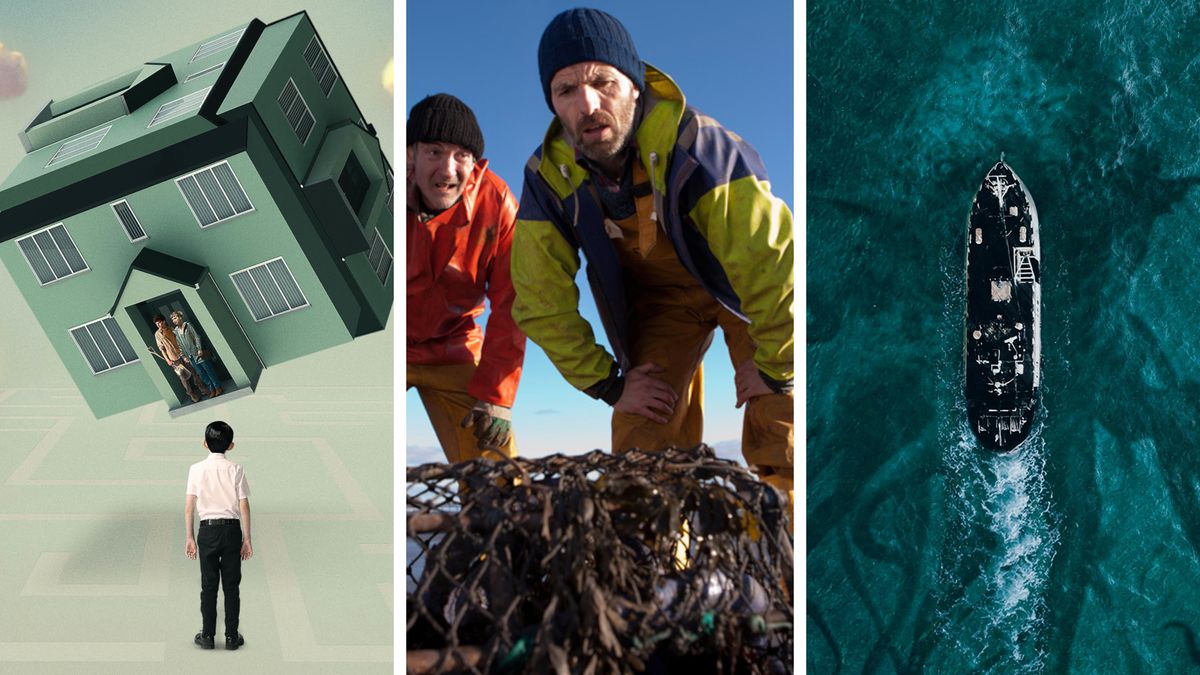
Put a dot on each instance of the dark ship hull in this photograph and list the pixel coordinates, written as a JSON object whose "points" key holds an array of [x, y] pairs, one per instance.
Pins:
{"points": [[1004, 311]]}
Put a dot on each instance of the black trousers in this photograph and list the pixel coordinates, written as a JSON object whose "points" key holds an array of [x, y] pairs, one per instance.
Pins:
{"points": [[220, 548]]}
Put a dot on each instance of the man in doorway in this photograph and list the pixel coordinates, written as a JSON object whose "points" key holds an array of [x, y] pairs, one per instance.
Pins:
{"points": [[217, 490], [194, 353], [169, 351], [460, 228], [675, 216]]}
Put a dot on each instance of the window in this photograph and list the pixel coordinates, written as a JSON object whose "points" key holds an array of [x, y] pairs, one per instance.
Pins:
{"points": [[353, 182], [179, 107], [320, 65], [133, 229], [269, 289], [380, 258], [52, 254], [218, 45], [296, 110], [202, 73], [387, 174], [103, 345], [214, 194], [78, 145]]}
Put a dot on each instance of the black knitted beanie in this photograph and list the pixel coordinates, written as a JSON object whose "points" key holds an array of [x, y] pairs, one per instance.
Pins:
{"points": [[443, 118]]}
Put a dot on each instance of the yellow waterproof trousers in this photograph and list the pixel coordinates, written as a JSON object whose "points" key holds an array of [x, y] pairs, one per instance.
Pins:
{"points": [[673, 328], [443, 391]]}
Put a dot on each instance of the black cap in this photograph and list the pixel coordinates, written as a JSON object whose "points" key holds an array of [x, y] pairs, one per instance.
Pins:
{"points": [[442, 118]]}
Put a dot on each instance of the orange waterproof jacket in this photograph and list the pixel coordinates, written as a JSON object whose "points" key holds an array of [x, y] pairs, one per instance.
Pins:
{"points": [[454, 260]]}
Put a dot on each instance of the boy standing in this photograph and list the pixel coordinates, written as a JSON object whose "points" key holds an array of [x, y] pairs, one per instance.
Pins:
{"points": [[217, 490]]}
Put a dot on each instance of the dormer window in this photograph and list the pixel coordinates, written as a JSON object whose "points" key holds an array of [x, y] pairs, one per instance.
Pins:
{"points": [[179, 107], [206, 71], [83, 143], [218, 45]]}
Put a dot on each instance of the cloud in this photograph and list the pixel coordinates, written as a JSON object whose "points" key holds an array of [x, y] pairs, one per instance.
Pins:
{"points": [[14, 73], [387, 77]]}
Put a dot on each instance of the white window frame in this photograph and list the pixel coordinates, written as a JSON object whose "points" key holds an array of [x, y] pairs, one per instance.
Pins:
{"points": [[391, 188], [226, 41], [336, 75], [221, 220], [71, 154], [201, 73], [145, 234], [197, 99], [86, 267], [83, 355], [307, 109], [263, 265], [391, 267]]}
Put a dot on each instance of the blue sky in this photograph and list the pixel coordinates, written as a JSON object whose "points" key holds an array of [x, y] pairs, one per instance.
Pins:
{"points": [[734, 61]]}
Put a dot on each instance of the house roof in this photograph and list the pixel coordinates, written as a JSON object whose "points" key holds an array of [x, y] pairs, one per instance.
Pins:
{"points": [[207, 147], [163, 265], [150, 108], [111, 146]]}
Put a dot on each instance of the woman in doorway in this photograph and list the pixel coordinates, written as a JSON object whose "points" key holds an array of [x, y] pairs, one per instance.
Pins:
{"points": [[195, 354]]}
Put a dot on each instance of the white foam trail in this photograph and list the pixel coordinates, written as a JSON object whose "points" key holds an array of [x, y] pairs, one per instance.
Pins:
{"points": [[1018, 504], [1006, 497]]}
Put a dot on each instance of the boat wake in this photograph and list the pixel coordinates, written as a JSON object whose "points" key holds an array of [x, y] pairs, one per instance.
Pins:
{"points": [[1000, 527], [995, 573]]}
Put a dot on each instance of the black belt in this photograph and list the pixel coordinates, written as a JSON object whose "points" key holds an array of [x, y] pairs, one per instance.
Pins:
{"points": [[220, 521]]}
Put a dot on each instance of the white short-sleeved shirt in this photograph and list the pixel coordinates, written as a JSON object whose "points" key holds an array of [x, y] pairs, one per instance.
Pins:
{"points": [[219, 485]]}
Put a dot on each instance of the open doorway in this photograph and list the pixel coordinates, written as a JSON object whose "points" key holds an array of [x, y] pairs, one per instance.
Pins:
{"points": [[164, 306]]}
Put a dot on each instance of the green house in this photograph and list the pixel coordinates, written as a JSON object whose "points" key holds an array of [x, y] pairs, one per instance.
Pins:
{"points": [[235, 180]]}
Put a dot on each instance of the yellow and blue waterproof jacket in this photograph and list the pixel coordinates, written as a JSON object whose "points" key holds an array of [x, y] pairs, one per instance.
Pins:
{"points": [[713, 200]]}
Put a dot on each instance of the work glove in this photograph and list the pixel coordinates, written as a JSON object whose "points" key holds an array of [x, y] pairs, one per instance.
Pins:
{"points": [[493, 424]]}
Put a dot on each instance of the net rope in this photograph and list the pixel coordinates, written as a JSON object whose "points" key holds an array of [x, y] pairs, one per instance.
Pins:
{"points": [[595, 564]]}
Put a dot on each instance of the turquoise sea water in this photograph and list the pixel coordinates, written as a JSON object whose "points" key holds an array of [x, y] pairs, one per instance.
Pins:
{"points": [[1078, 552]]}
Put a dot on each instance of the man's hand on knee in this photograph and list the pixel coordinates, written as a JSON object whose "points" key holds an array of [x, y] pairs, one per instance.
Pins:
{"points": [[647, 395], [748, 382]]}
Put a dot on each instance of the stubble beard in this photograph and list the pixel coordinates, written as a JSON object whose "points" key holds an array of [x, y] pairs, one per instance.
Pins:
{"points": [[612, 149]]}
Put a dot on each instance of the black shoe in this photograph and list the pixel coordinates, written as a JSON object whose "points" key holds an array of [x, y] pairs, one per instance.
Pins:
{"points": [[233, 642], [205, 641]]}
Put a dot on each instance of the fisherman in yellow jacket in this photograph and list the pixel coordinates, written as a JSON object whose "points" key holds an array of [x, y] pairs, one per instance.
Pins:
{"points": [[675, 216]]}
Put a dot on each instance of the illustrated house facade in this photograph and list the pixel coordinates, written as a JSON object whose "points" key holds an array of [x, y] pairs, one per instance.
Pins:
{"points": [[235, 180]]}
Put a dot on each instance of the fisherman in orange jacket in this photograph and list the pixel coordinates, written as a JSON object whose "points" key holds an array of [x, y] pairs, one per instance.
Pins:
{"points": [[460, 228]]}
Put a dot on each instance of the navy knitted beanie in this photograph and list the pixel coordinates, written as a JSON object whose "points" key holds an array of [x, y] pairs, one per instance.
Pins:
{"points": [[583, 34], [445, 119]]}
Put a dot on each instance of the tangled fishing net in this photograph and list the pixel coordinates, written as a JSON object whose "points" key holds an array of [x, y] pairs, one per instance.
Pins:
{"points": [[597, 564]]}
